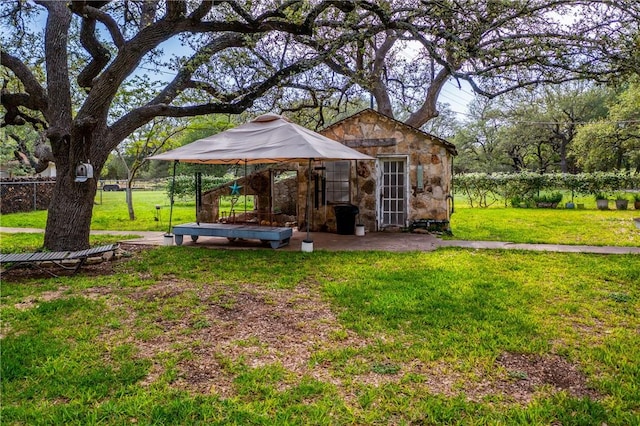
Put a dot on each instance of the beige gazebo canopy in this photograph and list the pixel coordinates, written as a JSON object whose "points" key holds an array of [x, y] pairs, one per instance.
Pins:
{"points": [[269, 138]]}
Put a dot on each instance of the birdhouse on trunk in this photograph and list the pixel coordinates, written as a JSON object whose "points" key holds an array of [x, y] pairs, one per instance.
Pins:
{"points": [[84, 171]]}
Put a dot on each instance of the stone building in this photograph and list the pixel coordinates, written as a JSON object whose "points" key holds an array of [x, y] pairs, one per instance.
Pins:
{"points": [[409, 185]]}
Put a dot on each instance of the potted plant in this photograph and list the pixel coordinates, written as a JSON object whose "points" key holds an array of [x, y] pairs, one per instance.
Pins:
{"points": [[621, 202], [602, 202], [636, 201], [549, 200]]}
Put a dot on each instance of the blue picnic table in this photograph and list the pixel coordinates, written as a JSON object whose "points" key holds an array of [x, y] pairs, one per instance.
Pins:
{"points": [[275, 236]]}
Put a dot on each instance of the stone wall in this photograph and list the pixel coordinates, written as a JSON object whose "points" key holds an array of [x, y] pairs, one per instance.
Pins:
{"points": [[382, 137], [25, 194], [257, 184], [284, 195]]}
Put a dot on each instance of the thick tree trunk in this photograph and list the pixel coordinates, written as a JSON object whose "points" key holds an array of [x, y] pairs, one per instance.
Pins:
{"points": [[132, 214], [429, 108], [70, 212], [564, 165]]}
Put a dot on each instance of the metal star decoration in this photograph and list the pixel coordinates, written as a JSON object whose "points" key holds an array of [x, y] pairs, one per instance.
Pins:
{"points": [[235, 188]]}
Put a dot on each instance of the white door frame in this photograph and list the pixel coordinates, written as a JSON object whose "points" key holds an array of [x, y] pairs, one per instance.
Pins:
{"points": [[380, 189]]}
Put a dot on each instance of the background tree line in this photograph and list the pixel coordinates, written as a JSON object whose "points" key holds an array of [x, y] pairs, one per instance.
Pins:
{"points": [[570, 128]]}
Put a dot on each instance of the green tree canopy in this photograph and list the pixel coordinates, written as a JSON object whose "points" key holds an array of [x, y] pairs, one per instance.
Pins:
{"points": [[529, 130], [613, 142]]}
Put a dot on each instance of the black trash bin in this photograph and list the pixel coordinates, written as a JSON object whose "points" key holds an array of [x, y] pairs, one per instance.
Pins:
{"points": [[346, 218]]}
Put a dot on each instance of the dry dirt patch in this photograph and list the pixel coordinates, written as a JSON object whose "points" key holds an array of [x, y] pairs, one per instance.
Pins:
{"points": [[254, 326], [260, 327], [526, 373]]}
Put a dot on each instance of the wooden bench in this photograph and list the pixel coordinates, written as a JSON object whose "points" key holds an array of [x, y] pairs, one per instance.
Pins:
{"points": [[69, 260], [275, 236]]}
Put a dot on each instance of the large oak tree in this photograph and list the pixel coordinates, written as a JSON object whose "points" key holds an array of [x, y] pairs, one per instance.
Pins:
{"points": [[64, 81], [404, 52]]}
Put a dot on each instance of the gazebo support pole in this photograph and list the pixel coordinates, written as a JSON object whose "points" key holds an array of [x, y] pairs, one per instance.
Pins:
{"points": [[246, 182], [271, 190], [173, 186], [307, 244]]}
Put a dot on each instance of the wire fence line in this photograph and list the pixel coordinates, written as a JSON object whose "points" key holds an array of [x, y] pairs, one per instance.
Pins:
{"points": [[25, 195]]}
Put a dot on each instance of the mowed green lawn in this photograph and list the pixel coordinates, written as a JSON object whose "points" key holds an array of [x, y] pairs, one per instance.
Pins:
{"points": [[552, 226], [181, 335]]}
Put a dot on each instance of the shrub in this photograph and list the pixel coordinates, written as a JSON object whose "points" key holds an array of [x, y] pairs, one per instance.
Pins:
{"points": [[185, 186], [554, 197], [478, 187], [482, 189], [518, 201], [548, 200]]}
